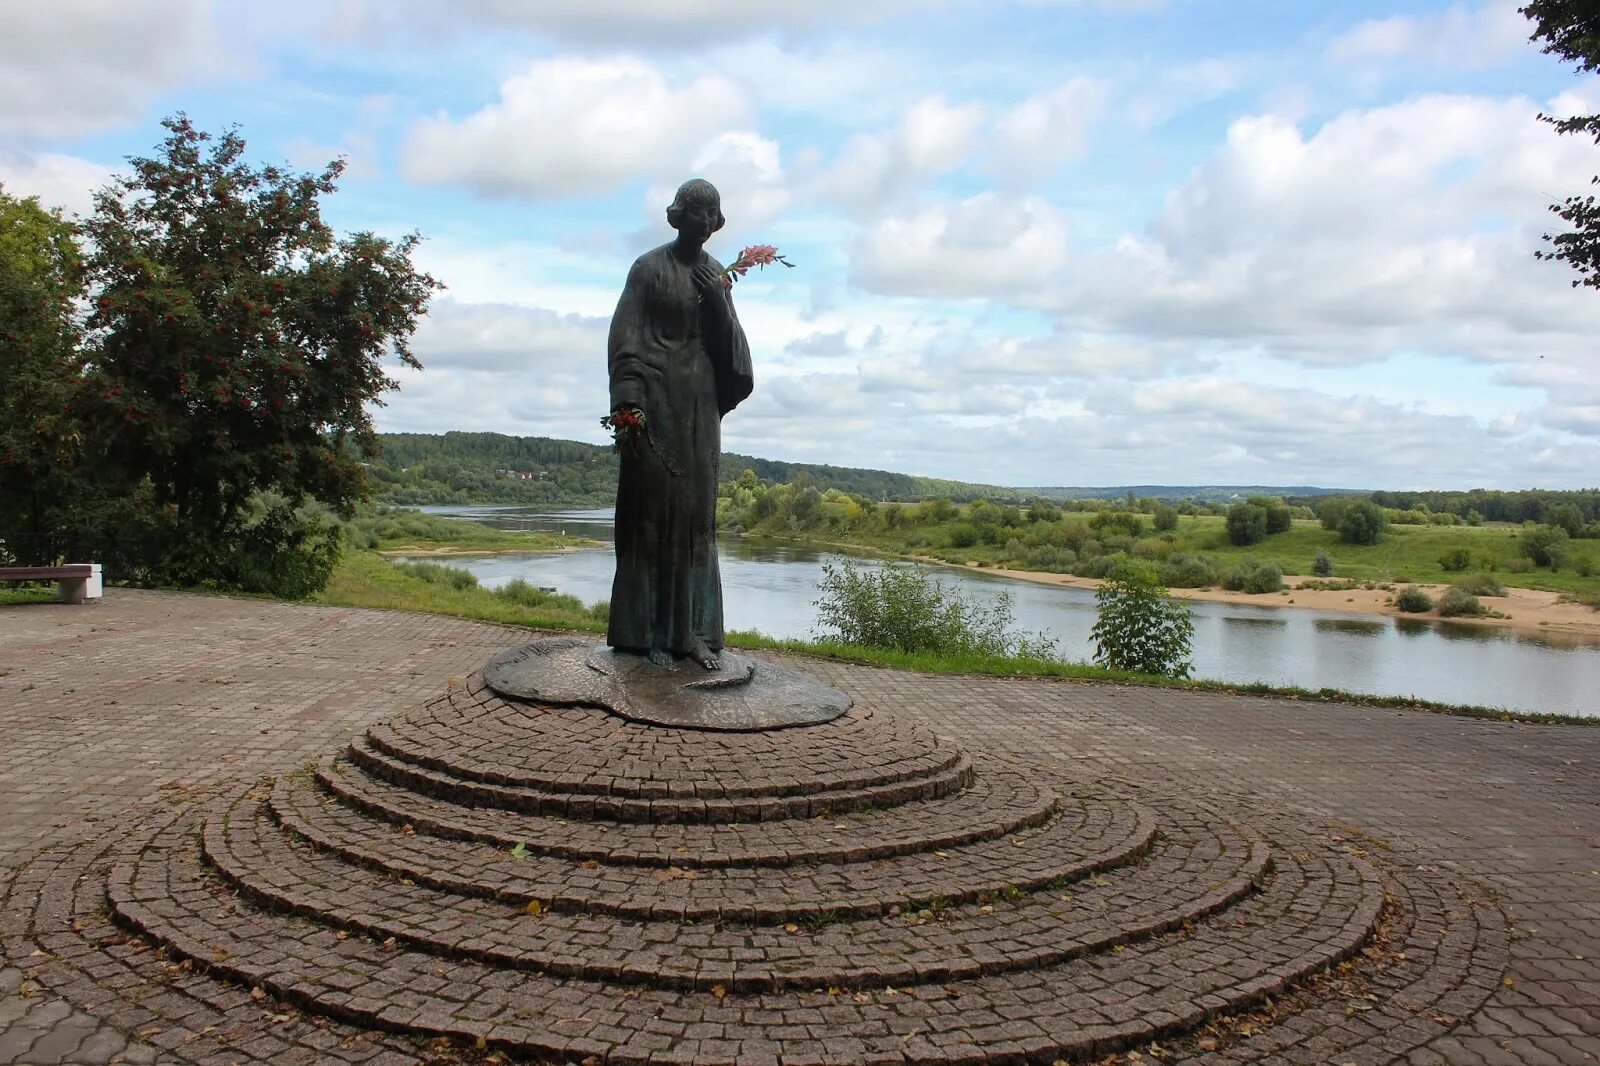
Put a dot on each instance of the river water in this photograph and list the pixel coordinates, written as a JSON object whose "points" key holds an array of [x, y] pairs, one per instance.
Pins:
{"points": [[771, 587]]}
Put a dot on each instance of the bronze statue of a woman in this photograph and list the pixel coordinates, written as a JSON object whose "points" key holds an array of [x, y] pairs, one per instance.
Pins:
{"points": [[677, 355]]}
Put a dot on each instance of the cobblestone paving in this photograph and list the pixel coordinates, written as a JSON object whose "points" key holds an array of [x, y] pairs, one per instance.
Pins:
{"points": [[162, 706]]}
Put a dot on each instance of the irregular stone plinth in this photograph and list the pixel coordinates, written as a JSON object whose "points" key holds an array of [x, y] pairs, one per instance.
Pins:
{"points": [[741, 695]]}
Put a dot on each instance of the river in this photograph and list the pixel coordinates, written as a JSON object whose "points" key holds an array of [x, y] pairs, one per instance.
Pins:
{"points": [[770, 587]]}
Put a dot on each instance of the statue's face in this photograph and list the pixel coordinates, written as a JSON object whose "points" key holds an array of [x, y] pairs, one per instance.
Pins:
{"points": [[699, 219]]}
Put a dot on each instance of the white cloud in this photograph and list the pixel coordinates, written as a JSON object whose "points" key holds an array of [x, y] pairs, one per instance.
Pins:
{"points": [[873, 170], [1261, 433], [990, 245], [747, 170], [571, 127], [1408, 227], [1046, 130], [658, 24], [63, 181], [1458, 37], [518, 340], [78, 66], [847, 82], [519, 369]]}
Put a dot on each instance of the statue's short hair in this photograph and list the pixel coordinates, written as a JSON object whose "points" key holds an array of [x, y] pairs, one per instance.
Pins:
{"points": [[694, 191]]}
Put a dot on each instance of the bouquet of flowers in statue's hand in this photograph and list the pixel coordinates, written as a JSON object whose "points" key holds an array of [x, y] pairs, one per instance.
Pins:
{"points": [[757, 255], [625, 423]]}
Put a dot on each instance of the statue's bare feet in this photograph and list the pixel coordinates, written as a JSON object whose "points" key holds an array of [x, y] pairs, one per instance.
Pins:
{"points": [[659, 657], [704, 656]]}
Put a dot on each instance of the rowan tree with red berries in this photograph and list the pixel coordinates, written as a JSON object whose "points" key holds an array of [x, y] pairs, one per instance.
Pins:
{"points": [[234, 346]]}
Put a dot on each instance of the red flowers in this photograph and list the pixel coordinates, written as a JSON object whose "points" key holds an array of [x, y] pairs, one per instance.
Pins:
{"points": [[757, 255], [624, 423]]}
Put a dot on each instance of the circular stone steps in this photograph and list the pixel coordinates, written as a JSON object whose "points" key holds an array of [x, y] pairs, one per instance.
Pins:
{"points": [[692, 808], [1031, 930], [558, 883], [473, 734], [1313, 913], [1065, 849], [1001, 801]]}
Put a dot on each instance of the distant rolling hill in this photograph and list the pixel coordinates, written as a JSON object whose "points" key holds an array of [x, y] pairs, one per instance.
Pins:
{"points": [[1197, 493], [461, 467]]}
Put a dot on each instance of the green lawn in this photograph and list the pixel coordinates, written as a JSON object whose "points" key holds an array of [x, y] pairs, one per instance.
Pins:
{"points": [[1405, 554]]}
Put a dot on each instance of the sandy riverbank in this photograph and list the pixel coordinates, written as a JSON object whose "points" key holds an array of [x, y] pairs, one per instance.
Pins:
{"points": [[1523, 608]]}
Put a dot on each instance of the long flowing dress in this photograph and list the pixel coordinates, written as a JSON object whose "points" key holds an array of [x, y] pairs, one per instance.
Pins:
{"points": [[684, 368]]}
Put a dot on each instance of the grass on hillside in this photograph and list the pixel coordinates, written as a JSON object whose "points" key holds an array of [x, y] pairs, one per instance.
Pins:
{"points": [[401, 529], [1406, 554], [366, 579]]}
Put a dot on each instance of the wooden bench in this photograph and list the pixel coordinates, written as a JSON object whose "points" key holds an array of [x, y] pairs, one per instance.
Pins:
{"points": [[77, 582]]}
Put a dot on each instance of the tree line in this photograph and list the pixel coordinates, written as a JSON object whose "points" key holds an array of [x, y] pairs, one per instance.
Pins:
{"points": [[186, 374]]}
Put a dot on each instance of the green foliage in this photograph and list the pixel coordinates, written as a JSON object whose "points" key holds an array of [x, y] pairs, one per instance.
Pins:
{"points": [[1458, 602], [440, 574], [962, 535], [1413, 600], [521, 592], [41, 443], [1166, 518], [236, 345], [1113, 523], [1322, 565], [280, 549], [1480, 585], [1361, 522], [1141, 628], [1570, 30], [1330, 510], [1070, 544], [1254, 576], [1566, 516], [1185, 571], [906, 608], [1246, 524], [1279, 517], [366, 579], [1546, 546], [225, 371], [1455, 560]]}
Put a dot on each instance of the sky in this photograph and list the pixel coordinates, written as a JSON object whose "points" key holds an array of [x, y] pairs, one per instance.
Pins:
{"points": [[1037, 242]]}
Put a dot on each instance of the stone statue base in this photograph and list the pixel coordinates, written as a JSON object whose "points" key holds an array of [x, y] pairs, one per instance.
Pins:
{"points": [[743, 695]]}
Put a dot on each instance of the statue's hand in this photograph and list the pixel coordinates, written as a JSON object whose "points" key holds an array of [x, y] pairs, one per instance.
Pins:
{"points": [[713, 293]]}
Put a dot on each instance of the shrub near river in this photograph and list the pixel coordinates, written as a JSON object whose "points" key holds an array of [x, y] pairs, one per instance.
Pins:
{"points": [[1196, 552]]}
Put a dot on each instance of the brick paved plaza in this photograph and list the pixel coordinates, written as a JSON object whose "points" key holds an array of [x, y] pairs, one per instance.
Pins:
{"points": [[1198, 836]]}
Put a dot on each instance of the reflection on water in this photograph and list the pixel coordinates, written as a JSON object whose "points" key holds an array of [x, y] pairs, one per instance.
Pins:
{"points": [[1244, 621], [1363, 626], [1416, 627], [771, 587]]}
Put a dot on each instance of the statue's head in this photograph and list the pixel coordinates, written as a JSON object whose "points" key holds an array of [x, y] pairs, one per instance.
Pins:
{"points": [[695, 192]]}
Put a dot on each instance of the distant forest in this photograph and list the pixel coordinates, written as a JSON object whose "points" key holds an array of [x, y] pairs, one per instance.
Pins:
{"points": [[422, 468], [462, 468]]}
